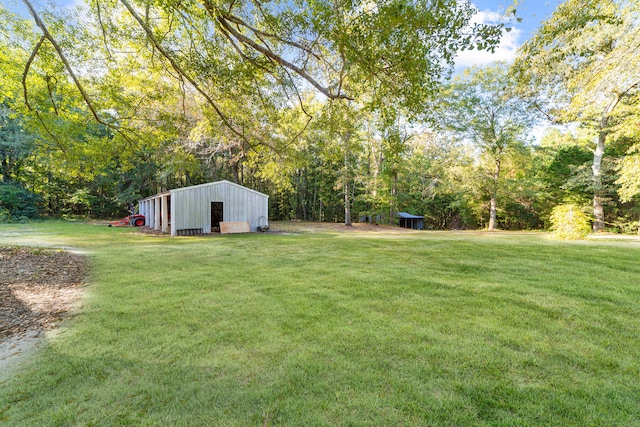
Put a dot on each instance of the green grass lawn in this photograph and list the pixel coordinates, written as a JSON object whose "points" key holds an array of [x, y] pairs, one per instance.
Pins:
{"points": [[380, 329]]}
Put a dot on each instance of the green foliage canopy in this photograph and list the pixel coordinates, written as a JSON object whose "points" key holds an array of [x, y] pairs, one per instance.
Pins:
{"points": [[583, 66], [481, 106], [227, 50]]}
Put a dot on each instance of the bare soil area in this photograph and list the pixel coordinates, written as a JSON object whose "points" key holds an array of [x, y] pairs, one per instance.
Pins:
{"points": [[319, 227], [38, 288], [301, 227]]}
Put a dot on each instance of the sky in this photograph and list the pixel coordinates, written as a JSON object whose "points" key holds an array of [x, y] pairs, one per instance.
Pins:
{"points": [[531, 13]]}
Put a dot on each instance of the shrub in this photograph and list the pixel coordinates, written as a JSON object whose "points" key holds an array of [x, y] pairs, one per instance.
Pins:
{"points": [[16, 202], [625, 226], [569, 222], [5, 215]]}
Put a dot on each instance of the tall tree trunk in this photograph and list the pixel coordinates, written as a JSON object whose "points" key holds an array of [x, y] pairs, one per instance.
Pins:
{"points": [[493, 211], [314, 213], [492, 214], [347, 204], [598, 207], [305, 186], [6, 170], [375, 166], [234, 166], [393, 192], [596, 168]]}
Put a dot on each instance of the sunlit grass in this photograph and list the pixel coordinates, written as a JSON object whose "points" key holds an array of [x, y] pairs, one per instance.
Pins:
{"points": [[340, 329]]}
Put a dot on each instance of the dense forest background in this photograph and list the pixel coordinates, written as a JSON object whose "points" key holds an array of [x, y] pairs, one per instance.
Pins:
{"points": [[108, 104]]}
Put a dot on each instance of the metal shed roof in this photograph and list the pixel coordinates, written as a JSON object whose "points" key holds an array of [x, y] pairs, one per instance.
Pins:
{"points": [[224, 181], [208, 184], [408, 216]]}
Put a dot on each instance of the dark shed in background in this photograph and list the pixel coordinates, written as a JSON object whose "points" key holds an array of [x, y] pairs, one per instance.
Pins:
{"points": [[407, 220]]}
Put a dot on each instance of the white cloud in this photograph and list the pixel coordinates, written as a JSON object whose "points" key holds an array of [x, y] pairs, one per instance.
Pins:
{"points": [[505, 51], [71, 4]]}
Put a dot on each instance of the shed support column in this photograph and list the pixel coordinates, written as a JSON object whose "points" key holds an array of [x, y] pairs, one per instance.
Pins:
{"points": [[147, 213], [152, 213], [174, 232], [165, 214], [156, 216]]}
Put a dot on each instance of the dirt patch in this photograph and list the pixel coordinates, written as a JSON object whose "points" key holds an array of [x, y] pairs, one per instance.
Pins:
{"points": [[286, 227], [38, 288], [320, 227]]}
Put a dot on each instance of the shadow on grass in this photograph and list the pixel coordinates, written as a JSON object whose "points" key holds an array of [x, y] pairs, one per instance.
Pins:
{"points": [[15, 315]]}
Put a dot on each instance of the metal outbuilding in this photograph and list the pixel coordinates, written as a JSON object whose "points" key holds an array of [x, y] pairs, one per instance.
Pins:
{"points": [[408, 220], [203, 207]]}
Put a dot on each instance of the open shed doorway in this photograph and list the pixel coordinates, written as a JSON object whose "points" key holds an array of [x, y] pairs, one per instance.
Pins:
{"points": [[216, 216]]}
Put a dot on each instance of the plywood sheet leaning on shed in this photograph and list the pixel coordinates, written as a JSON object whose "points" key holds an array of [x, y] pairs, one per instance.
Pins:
{"points": [[234, 227]]}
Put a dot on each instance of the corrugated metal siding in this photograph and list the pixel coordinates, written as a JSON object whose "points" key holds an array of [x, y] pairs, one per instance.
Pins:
{"points": [[191, 206]]}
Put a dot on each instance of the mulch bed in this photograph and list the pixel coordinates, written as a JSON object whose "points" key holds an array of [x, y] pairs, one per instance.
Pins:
{"points": [[38, 287]]}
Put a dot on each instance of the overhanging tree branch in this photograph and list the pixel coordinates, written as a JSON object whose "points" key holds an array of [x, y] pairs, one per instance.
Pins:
{"points": [[47, 35], [25, 92], [181, 71], [104, 30], [225, 20], [27, 67], [264, 34], [64, 60], [278, 59]]}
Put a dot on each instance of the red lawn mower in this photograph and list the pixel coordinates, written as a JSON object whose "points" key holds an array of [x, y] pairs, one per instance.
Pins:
{"points": [[136, 220]]}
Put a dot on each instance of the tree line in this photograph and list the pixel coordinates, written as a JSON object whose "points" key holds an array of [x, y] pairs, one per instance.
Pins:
{"points": [[339, 111]]}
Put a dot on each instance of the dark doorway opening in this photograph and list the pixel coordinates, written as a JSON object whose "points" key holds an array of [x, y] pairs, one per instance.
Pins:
{"points": [[216, 216]]}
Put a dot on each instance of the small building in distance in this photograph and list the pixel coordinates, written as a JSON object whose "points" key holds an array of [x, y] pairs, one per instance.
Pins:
{"points": [[406, 220], [201, 208]]}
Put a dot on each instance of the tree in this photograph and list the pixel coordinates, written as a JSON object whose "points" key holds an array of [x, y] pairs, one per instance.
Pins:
{"points": [[16, 202], [630, 175], [582, 66], [182, 91], [432, 181], [222, 49], [481, 107], [629, 165], [15, 143]]}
